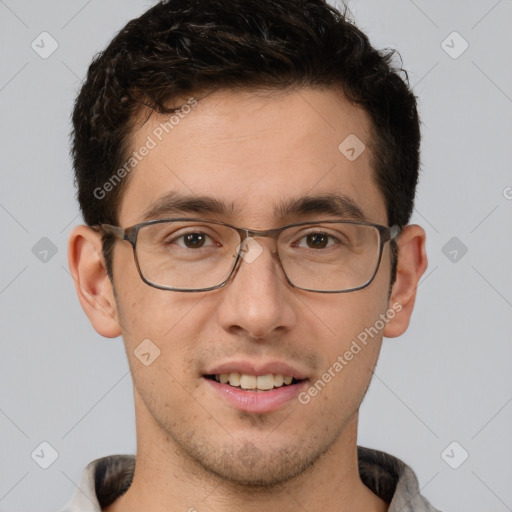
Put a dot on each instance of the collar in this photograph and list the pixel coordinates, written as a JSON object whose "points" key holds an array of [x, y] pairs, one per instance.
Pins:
{"points": [[107, 478]]}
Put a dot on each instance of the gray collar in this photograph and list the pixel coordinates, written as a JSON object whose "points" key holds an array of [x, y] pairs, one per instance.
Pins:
{"points": [[106, 479]]}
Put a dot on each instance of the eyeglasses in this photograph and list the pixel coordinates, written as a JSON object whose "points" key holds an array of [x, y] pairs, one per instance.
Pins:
{"points": [[196, 255]]}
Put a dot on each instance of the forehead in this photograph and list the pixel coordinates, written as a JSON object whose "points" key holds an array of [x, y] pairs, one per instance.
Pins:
{"points": [[253, 153]]}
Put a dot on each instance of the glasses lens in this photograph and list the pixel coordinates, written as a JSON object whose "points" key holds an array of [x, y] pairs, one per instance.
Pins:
{"points": [[195, 255], [330, 256], [186, 255]]}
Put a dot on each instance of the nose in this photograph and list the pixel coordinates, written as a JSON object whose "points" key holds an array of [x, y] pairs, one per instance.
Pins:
{"points": [[258, 302]]}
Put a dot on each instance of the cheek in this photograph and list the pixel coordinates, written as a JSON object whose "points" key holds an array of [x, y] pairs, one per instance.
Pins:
{"points": [[163, 332], [161, 335], [344, 317], [167, 319], [353, 326], [146, 312], [349, 360]]}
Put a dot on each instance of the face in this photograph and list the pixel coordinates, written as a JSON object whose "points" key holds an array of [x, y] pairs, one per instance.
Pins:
{"points": [[252, 153]]}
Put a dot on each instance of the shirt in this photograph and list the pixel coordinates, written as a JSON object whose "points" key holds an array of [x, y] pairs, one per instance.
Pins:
{"points": [[106, 479]]}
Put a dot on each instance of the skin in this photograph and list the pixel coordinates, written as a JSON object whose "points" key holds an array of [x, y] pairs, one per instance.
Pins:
{"points": [[252, 149]]}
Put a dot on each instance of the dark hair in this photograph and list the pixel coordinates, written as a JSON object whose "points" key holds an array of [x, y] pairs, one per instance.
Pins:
{"points": [[180, 47]]}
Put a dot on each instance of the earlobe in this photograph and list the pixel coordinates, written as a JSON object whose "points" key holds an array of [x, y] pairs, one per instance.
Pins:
{"points": [[92, 283], [412, 263]]}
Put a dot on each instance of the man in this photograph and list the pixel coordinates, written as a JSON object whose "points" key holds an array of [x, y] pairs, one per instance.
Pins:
{"points": [[247, 171]]}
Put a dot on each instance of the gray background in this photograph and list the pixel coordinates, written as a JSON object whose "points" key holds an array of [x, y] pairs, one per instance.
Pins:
{"points": [[446, 380]]}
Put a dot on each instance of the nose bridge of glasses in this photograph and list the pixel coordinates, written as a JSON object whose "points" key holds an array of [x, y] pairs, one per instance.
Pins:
{"points": [[246, 235]]}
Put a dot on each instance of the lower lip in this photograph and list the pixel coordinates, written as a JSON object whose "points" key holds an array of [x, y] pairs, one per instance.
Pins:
{"points": [[257, 401]]}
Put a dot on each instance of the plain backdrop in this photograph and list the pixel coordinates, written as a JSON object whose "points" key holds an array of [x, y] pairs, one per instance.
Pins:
{"points": [[441, 396]]}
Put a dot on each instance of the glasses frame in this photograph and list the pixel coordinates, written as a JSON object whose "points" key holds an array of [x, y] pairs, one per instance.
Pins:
{"points": [[130, 233]]}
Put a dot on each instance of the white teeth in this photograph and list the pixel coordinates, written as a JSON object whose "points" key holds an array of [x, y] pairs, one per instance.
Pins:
{"points": [[234, 379], [278, 380], [262, 382], [265, 382], [248, 381]]}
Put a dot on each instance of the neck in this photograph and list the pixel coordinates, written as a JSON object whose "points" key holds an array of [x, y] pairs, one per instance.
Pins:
{"points": [[166, 479]]}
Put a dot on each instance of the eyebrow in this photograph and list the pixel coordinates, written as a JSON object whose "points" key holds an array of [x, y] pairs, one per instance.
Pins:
{"points": [[173, 203], [339, 205]]}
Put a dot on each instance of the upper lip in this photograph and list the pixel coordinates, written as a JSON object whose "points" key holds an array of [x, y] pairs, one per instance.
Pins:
{"points": [[255, 368]]}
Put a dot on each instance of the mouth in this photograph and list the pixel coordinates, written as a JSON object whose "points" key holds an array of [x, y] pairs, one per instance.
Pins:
{"points": [[255, 388], [255, 383]]}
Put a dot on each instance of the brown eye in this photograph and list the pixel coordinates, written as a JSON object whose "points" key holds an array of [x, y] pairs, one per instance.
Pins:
{"points": [[317, 240], [194, 240]]}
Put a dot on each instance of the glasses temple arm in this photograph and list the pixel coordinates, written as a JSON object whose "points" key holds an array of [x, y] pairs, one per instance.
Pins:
{"points": [[113, 230]]}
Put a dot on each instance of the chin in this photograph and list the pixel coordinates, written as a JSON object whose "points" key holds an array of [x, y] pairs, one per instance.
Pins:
{"points": [[245, 464]]}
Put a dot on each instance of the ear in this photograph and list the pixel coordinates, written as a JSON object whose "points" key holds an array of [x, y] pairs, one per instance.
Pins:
{"points": [[412, 263], [92, 283]]}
